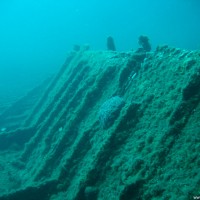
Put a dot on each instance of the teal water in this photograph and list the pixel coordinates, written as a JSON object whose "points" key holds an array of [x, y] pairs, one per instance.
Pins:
{"points": [[36, 35]]}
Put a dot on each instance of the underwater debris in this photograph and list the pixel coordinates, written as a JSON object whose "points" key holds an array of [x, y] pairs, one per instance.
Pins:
{"points": [[111, 44], [144, 43], [77, 47]]}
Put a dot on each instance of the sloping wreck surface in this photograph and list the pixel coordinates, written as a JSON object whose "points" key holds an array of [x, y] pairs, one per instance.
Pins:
{"points": [[110, 125]]}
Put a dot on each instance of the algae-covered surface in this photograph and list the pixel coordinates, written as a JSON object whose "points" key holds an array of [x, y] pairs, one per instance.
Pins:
{"points": [[110, 125]]}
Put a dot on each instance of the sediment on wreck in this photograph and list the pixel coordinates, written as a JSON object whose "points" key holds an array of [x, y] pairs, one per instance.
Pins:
{"points": [[149, 151]]}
